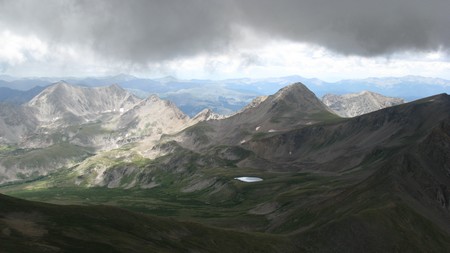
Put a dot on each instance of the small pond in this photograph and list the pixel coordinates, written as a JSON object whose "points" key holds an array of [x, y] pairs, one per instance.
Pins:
{"points": [[249, 179]]}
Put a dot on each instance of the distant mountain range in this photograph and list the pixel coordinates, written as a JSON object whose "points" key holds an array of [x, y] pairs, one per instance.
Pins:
{"points": [[8, 95], [228, 96]]}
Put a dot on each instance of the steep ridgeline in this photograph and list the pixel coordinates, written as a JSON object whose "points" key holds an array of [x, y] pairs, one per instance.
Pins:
{"points": [[205, 115], [293, 106], [152, 117], [347, 143], [397, 160], [355, 104], [67, 104]]}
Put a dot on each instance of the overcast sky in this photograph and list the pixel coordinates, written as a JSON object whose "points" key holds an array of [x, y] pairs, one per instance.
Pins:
{"points": [[327, 39]]}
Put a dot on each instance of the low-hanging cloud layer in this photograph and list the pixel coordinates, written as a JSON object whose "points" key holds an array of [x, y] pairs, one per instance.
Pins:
{"points": [[153, 30], [143, 31]]}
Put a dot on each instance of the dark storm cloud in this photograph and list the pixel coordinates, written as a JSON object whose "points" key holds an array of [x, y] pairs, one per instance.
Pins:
{"points": [[133, 30], [361, 27], [147, 31]]}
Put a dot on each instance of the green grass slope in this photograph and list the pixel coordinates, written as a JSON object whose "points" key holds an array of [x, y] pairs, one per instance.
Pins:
{"points": [[36, 227]]}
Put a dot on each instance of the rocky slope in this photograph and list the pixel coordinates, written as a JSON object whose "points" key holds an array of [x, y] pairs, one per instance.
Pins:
{"points": [[355, 104], [16, 124], [153, 115]]}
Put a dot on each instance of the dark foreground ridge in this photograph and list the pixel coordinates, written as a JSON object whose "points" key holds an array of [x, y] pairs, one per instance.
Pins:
{"points": [[27, 226]]}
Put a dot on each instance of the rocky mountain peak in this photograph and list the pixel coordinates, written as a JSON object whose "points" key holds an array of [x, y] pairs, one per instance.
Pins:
{"points": [[294, 106], [116, 87], [63, 100], [293, 91], [155, 101], [61, 83], [355, 104], [60, 86], [296, 97], [152, 98], [152, 117], [206, 114]]}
